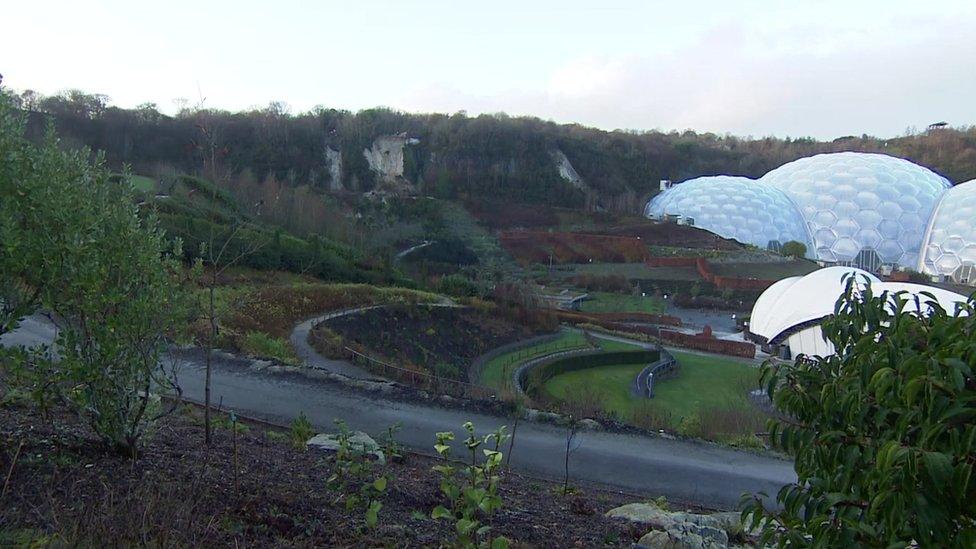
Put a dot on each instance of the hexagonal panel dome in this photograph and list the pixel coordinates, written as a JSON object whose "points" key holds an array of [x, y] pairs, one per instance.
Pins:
{"points": [[950, 241], [733, 207], [853, 201]]}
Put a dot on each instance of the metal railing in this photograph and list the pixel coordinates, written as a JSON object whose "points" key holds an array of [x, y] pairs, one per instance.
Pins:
{"points": [[645, 379], [425, 380]]}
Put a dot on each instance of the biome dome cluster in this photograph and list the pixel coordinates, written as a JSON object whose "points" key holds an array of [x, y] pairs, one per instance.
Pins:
{"points": [[858, 209]]}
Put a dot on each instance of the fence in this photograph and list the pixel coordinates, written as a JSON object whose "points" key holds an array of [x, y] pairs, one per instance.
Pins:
{"points": [[423, 380], [660, 370]]}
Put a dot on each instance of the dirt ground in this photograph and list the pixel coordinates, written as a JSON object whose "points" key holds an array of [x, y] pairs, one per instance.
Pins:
{"points": [[445, 339], [66, 488]]}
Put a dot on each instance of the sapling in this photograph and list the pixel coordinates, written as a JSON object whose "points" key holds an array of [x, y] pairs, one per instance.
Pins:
{"points": [[354, 479], [477, 497]]}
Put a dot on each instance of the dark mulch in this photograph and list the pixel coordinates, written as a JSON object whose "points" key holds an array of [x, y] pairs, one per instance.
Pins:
{"points": [[66, 488], [448, 338]]}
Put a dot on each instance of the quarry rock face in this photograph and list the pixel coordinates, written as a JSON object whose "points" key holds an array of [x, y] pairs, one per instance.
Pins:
{"points": [[566, 169], [333, 160], [385, 157]]}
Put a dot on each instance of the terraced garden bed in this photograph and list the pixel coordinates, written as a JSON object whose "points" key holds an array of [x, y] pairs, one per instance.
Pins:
{"points": [[438, 340]]}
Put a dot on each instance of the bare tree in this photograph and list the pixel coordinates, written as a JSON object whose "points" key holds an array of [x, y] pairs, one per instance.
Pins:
{"points": [[572, 444], [217, 257]]}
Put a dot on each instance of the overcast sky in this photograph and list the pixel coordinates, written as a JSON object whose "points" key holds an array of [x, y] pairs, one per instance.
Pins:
{"points": [[823, 69]]}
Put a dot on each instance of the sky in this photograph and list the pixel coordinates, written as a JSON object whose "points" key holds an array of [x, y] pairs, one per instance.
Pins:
{"points": [[752, 68]]}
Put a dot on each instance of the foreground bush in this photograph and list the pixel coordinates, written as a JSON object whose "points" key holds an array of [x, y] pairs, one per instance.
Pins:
{"points": [[75, 245], [883, 433]]}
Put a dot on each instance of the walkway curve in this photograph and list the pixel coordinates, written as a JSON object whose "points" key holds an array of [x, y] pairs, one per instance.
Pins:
{"points": [[684, 471], [311, 358]]}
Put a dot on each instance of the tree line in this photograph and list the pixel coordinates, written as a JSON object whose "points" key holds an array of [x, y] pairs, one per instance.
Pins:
{"points": [[458, 156]]}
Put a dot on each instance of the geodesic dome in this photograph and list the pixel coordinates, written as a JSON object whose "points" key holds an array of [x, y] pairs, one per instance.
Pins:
{"points": [[861, 203], [733, 207], [949, 248]]}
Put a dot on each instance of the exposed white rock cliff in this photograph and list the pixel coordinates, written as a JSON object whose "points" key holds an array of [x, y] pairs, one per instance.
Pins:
{"points": [[385, 157], [334, 160], [566, 170]]}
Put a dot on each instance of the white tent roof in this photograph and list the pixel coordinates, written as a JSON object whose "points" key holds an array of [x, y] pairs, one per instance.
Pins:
{"points": [[766, 305], [807, 298], [946, 299], [798, 300]]}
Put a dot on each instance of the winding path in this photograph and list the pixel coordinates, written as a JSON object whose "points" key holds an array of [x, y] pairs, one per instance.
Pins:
{"points": [[685, 471]]}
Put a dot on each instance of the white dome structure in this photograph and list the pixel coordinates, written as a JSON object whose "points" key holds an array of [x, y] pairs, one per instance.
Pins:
{"points": [[861, 208], [949, 247], [790, 311], [733, 207]]}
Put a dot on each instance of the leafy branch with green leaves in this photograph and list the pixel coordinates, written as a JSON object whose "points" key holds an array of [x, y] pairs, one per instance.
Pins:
{"points": [[883, 433], [474, 497], [354, 477]]}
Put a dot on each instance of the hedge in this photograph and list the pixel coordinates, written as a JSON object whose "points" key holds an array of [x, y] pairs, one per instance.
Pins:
{"points": [[547, 370]]}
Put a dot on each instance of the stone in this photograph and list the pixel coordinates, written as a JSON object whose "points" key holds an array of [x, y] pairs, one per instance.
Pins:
{"points": [[643, 513], [731, 522], [358, 439], [334, 160], [657, 539], [680, 529], [590, 425]]}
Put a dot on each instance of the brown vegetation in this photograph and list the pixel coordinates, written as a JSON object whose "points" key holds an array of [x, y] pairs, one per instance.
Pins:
{"points": [[541, 247], [274, 310], [602, 283]]}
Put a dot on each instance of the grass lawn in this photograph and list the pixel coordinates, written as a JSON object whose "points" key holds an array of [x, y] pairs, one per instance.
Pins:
{"points": [[498, 371], [702, 382], [604, 302], [143, 183]]}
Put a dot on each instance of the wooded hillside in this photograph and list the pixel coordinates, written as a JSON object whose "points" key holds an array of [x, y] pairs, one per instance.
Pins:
{"points": [[457, 156]]}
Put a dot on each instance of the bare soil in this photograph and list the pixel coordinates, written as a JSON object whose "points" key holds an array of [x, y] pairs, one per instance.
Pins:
{"points": [[426, 337], [66, 488]]}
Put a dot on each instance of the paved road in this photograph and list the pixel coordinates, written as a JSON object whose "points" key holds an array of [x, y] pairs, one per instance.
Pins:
{"points": [[681, 470]]}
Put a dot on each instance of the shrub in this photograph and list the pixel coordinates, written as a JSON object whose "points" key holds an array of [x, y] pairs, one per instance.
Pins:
{"points": [[301, 430], [882, 432], [794, 249], [730, 421], [457, 285], [582, 401], [647, 415], [690, 426], [74, 243], [617, 283], [448, 370], [353, 477], [262, 345]]}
